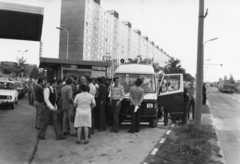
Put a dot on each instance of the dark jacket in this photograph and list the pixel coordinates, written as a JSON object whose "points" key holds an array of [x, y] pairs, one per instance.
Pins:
{"points": [[38, 93], [102, 93]]}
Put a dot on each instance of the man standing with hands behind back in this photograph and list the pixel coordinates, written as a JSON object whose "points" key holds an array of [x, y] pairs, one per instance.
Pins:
{"points": [[50, 111], [67, 106], [116, 96]]}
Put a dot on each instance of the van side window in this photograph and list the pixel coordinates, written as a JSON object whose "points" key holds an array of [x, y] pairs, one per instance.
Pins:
{"points": [[173, 83], [163, 87]]}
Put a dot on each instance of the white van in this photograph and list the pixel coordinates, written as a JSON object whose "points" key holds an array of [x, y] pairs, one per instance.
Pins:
{"points": [[128, 73], [164, 97]]}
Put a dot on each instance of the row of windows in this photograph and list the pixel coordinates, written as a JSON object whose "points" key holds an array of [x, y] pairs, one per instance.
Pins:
{"points": [[109, 20]]}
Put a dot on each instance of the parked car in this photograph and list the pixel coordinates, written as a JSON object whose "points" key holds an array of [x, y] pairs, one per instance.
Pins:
{"points": [[20, 88], [8, 93]]}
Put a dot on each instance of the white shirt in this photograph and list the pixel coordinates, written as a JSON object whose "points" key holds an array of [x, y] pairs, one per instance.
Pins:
{"points": [[46, 94], [92, 89]]}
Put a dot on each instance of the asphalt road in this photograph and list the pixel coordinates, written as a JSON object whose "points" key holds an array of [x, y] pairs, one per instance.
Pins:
{"points": [[225, 109], [19, 144]]}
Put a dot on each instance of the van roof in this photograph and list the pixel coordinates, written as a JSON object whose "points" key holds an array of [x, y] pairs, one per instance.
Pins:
{"points": [[135, 69]]}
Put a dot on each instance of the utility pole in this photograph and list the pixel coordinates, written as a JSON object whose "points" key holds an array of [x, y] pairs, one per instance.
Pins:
{"points": [[200, 58]]}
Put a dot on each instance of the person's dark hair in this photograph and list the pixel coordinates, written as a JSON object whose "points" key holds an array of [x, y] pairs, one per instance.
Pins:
{"points": [[138, 82], [100, 80], [59, 81], [40, 80], [84, 87], [88, 79], [30, 77], [75, 78], [52, 81], [64, 78], [69, 81], [115, 78], [107, 83], [168, 84]]}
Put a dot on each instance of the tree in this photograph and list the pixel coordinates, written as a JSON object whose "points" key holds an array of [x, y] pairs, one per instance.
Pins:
{"points": [[35, 73], [20, 68], [174, 66], [8, 69], [155, 65], [188, 77]]}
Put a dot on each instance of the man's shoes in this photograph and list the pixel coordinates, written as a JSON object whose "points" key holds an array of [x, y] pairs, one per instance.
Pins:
{"points": [[74, 135], [37, 128], [78, 142], [130, 131], [61, 138], [66, 133], [41, 138]]}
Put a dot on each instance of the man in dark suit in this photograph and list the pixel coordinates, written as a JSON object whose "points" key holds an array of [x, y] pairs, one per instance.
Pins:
{"points": [[101, 101], [39, 101], [50, 111]]}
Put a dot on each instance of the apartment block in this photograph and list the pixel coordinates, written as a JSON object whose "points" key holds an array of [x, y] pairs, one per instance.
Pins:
{"points": [[96, 34]]}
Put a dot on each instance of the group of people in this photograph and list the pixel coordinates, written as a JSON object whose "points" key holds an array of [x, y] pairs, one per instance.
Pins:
{"points": [[85, 100]]}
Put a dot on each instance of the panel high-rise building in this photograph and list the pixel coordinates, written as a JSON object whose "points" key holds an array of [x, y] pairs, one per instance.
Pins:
{"points": [[96, 34]]}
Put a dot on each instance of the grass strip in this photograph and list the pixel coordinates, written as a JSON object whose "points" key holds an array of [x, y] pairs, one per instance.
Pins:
{"points": [[186, 145]]}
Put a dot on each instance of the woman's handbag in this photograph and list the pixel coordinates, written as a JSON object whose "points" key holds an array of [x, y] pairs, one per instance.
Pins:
{"points": [[72, 116]]}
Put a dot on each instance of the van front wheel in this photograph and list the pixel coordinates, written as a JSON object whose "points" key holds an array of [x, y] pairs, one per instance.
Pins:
{"points": [[153, 122]]}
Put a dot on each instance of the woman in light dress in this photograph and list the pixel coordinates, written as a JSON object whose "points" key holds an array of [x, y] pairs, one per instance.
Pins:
{"points": [[85, 103]]}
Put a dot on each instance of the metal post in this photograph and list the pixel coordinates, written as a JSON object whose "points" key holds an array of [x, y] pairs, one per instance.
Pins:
{"points": [[199, 82]]}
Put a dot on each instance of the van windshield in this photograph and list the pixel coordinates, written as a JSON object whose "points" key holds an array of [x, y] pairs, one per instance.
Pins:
{"points": [[128, 81]]}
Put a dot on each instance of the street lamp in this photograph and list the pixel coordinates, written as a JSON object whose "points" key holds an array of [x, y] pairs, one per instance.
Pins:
{"points": [[210, 40], [22, 52], [207, 60], [67, 38]]}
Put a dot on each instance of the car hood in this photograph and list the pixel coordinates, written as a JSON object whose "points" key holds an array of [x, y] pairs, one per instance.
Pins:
{"points": [[6, 92]]}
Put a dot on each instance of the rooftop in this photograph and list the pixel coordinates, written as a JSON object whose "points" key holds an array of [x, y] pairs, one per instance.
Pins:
{"points": [[135, 69]]}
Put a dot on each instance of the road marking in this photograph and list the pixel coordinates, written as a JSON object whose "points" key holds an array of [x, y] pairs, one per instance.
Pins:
{"points": [[162, 140], [168, 132], [154, 151]]}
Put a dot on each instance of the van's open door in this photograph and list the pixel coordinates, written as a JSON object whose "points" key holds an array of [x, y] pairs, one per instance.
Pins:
{"points": [[171, 94]]}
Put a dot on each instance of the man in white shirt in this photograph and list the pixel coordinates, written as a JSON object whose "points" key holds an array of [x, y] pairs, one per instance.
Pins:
{"points": [[92, 88], [50, 112]]}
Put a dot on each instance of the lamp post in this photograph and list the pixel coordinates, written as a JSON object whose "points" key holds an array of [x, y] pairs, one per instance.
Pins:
{"points": [[59, 28], [22, 52], [207, 60], [112, 68]]}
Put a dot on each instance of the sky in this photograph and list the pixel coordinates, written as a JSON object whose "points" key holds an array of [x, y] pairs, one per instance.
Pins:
{"points": [[171, 24]]}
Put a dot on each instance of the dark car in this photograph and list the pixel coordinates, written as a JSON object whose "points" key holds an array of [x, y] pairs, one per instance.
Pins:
{"points": [[20, 88]]}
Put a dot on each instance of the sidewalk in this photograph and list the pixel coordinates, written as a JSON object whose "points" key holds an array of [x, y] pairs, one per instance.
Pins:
{"points": [[104, 147]]}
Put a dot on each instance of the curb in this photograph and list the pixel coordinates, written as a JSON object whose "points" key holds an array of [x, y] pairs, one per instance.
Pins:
{"points": [[218, 141], [159, 145]]}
